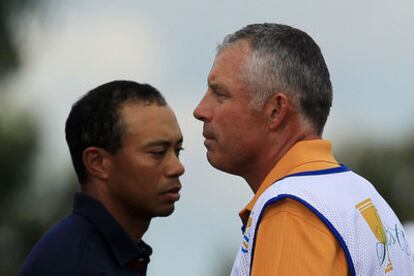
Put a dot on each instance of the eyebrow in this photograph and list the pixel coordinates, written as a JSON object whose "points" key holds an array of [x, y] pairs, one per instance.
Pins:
{"points": [[217, 87], [213, 85], [163, 142]]}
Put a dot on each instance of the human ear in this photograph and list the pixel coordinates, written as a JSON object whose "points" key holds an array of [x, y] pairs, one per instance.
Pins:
{"points": [[96, 162], [277, 107]]}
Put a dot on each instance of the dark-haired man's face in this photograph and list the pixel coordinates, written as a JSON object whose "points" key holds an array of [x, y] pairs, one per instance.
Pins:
{"points": [[143, 177]]}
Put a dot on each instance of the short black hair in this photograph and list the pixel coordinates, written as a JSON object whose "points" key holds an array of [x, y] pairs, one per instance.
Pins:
{"points": [[94, 120]]}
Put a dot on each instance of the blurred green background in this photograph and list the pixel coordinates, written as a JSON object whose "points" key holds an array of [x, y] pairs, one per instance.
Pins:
{"points": [[22, 220], [30, 201]]}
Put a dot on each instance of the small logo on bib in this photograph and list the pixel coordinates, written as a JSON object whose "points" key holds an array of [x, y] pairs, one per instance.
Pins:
{"points": [[246, 236], [370, 214]]}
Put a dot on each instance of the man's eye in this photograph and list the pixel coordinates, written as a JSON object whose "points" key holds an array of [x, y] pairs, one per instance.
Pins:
{"points": [[158, 154], [178, 150], [220, 97], [218, 94]]}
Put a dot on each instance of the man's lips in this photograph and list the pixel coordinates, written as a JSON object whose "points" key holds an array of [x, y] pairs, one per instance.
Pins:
{"points": [[174, 189], [208, 136], [209, 139], [207, 132], [208, 143], [172, 194]]}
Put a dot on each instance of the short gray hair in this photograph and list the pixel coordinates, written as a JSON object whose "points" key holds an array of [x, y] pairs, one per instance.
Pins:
{"points": [[285, 59]]}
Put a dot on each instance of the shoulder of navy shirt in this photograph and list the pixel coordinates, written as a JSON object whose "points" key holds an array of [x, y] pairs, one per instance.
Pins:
{"points": [[88, 242]]}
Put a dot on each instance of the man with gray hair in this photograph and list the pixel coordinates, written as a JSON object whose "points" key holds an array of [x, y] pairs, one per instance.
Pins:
{"points": [[268, 98]]}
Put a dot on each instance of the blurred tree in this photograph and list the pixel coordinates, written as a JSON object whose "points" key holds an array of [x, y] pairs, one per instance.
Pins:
{"points": [[390, 167], [17, 147], [19, 227], [10, 10]]}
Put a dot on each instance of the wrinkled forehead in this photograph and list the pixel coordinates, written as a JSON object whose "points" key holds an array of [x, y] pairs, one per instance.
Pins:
{"points": [[230, 59], [150, 120], [245, 43], [228, 73]]}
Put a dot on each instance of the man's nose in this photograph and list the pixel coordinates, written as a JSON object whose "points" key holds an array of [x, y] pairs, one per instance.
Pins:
{"points": [[175, 167], [202, 112]]}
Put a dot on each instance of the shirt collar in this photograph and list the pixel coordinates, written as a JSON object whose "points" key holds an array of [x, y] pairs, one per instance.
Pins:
{"points": [[299, 158], [120, 243]]}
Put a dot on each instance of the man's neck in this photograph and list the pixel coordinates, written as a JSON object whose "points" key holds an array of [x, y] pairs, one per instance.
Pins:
{"points": [[135, 226], [274, 153]]}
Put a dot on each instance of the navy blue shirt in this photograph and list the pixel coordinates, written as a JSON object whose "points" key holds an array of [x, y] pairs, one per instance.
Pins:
{"points": [[88, 242]]}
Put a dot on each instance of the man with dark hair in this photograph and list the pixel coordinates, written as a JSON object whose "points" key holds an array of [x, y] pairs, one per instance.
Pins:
{"points": [[124, 141], [268, 98]]}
